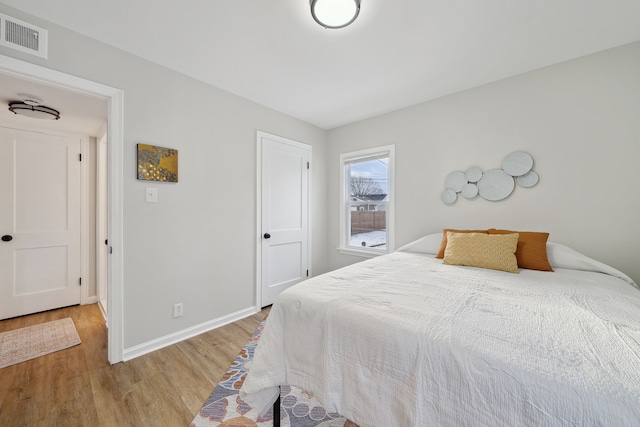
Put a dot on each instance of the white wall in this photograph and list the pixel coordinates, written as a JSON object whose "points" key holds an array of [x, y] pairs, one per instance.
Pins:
{"points": [[580, 120], [197, 244]]}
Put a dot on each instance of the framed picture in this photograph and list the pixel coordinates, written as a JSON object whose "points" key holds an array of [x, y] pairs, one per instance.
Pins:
{"points": [[157, 163]]}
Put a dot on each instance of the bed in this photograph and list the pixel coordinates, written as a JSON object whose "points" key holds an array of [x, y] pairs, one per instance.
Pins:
{"points": [[406, 340]]}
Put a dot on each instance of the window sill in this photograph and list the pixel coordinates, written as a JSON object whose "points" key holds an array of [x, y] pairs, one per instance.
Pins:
{"points": [[361, 253]]}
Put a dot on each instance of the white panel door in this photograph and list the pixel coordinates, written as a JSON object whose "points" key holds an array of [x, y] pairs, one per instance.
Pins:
{"points": [[284, 207], [39, 222]]}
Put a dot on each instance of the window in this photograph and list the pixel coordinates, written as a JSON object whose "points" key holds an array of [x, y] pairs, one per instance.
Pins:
{"points": [[366, 221]]}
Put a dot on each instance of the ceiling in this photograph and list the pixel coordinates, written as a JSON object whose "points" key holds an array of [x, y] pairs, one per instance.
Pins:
{"points": [[80, 114], [398, 53]]}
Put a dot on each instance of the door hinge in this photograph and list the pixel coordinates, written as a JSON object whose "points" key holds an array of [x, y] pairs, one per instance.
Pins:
{"points": [[80, 156], [307, 165], [80, 280], [307, 273]]}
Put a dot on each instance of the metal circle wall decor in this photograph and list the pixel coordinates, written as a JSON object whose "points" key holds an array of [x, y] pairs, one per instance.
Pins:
{"points": [[528, 180], [470, 191], [494, 184], [473, 174], [455, 181], [449, 196], [517, 163]]}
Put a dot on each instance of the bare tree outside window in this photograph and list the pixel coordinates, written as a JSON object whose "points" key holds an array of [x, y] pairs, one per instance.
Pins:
{"points": [[362, 186]]}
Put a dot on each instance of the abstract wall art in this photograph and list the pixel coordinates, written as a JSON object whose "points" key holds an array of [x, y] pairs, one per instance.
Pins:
{"points": [[157, 163], [494, 184]]}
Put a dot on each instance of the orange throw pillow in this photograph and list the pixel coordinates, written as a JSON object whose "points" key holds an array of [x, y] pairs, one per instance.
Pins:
{"points": [[443, 244], [532, 249]]}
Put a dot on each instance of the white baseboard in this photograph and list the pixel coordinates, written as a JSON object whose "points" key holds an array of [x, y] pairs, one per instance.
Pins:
{"points": [[90, 300], [104, 313], [167, 340]]}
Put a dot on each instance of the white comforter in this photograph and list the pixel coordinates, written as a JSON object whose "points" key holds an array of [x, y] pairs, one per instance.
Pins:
{"points": [[403, 340]]}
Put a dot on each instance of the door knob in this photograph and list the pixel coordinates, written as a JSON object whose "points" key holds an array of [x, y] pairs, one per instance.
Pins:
{"points": [[267, 235], [7, 238]]}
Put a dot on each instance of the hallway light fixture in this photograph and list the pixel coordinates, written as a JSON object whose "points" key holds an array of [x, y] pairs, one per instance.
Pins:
{"points": [[31, 107], [335, 14]]}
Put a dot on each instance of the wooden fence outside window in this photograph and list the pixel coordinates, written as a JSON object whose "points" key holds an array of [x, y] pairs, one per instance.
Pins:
{"points": [[365, 221]]}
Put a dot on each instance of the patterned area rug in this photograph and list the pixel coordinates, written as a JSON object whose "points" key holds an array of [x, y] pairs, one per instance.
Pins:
{"points": [[225, 408], [34, 341]]}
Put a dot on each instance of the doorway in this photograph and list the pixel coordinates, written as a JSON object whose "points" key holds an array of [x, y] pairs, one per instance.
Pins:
{"points": [[115, 107], [283, 215]]}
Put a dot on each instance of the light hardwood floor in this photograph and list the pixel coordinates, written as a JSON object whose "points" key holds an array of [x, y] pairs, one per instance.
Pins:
{"points": [[78, 387]]}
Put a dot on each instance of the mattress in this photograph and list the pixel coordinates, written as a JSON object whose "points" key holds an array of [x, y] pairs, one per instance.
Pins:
{"points": [[403, 340]]}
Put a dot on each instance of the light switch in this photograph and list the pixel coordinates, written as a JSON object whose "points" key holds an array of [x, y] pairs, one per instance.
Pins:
{"points": [[152, 195]]}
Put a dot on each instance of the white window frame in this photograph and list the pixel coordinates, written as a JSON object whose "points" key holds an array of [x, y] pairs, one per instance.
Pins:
{"points": [[345, 192]]}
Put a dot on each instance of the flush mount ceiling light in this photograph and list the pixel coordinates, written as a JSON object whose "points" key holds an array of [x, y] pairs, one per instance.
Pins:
{"points": [[30, 106], [335, 13]]}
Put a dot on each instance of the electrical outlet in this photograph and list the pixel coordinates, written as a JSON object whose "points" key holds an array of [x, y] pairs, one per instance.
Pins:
{"points": [[178, 310]]}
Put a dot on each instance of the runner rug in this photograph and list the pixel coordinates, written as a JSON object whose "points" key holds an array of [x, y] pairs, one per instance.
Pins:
{"points": [[34, 341], [224, 407]]}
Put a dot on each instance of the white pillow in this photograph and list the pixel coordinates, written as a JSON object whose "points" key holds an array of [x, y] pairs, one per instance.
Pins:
{"points": [[561, 256], [429, 244]]}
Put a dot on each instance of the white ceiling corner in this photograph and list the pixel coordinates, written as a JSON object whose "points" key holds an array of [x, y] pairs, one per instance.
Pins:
{"points": [[396, 54]]}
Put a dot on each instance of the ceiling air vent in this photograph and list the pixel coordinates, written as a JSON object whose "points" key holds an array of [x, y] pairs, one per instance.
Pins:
{"points": [[22, 36]]}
